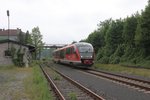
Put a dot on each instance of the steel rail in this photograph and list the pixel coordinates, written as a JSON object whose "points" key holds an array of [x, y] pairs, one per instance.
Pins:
{"points": [[59, 94], [119, 80], [136, 79], [94, 95]]}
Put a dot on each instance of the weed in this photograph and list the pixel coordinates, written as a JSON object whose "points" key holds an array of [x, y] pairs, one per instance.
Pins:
{"points": [[56, 77], [72, 96], [36, 85]]}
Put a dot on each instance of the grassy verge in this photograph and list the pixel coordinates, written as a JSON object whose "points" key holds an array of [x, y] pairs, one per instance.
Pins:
{"points": [[142, 64], [36, 85], [122, 69]]}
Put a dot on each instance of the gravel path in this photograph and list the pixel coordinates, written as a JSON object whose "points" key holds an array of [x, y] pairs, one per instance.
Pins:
{"points": [[11, 84], [108, 89]]}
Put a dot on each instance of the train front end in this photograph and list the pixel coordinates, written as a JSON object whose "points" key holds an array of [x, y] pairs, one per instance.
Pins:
{"points": [[86, 53]]}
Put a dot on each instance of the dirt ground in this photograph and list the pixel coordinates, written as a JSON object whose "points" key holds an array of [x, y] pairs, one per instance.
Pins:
{"points": [[11, 83]]}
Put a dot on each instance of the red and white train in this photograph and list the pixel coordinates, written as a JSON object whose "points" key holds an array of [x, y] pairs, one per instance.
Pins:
{"points": [[79, 54]]}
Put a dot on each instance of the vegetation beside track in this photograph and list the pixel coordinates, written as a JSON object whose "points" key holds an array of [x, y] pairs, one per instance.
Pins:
{"points": [[36, 85], [123, 41], [123, 69]]}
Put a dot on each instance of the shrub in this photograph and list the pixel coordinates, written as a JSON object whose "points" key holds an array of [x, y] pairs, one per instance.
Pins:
{"points": [[104, 60], [116, 60], [72, 96]]}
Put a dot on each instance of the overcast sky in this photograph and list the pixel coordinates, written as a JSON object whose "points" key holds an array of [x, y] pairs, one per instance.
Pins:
{"points": [[64, 21]]}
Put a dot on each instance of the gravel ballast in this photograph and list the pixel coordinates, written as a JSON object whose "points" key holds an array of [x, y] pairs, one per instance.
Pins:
{"points": [[106, 88]]}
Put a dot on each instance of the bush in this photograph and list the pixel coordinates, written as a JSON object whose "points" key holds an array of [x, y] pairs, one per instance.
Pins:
{"points": [[100, 54], [116, 60], [119, 51], [104, 60]]}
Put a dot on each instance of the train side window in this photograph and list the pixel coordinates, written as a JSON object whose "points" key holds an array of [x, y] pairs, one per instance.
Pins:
{"points": [[71, 50], [68, 51], [62, 54]]}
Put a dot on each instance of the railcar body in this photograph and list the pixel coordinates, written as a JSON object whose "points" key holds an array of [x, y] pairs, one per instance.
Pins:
{"points": [[79, 54]]}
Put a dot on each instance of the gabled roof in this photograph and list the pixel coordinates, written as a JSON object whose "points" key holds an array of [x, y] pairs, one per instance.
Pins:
{"points": [[12, 32]]}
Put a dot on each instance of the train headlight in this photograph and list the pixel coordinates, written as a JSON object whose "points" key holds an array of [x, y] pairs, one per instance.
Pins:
{"points": [[81, 56]]}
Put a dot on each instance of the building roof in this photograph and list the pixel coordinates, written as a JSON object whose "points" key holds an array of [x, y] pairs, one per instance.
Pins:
{"points": [[31, 47], [12, 32]]}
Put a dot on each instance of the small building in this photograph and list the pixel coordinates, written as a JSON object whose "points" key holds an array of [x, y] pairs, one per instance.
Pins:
{"points": [[15, 47], [13, 34]]}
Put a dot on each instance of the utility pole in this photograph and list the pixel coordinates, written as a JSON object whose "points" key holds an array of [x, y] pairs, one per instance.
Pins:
{"points": [[8, 28]]}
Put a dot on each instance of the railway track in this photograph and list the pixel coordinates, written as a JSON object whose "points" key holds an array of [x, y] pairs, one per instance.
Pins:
{"points": [[83, 93], [141, 85], [52, 84]]}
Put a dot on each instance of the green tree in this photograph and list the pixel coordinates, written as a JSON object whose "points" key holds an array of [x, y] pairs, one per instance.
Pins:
{"points": [[129, 30], [96, 39], [103, 28], [114, 36], [28, 39], [37, 41], [145, 25], [138, 32], [21, 37]]}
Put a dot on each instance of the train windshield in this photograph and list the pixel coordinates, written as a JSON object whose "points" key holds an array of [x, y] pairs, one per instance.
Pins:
{"points": [[85, 50]]}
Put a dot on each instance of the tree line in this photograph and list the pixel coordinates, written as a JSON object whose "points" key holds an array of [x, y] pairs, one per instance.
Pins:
{"points": [[123, 40], [34, 38]]}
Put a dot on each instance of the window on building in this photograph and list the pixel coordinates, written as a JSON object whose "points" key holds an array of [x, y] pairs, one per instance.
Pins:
{"points": [[7, 53]]}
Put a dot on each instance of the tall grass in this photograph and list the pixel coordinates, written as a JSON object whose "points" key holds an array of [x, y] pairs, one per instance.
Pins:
{"points": [[36, 85]]}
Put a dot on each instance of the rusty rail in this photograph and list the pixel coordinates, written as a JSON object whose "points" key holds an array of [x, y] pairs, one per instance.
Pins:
{"points": [[105, 75], [58, 93]]}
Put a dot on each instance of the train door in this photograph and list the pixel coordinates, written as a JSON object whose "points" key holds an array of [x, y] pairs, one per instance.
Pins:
{"points": [[69, 53]]}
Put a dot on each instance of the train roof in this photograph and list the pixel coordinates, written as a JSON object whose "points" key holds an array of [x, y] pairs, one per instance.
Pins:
{"points": [[74, 44], [82, 43]]}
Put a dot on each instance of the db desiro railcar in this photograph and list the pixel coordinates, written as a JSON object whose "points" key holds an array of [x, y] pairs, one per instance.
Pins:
{"points": [[78, 54]]}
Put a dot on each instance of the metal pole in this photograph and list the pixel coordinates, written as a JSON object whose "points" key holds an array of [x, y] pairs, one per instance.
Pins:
{"points": [[8, 27]]}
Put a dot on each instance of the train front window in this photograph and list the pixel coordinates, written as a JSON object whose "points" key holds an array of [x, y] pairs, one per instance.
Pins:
{"points": [[86, 51]]}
